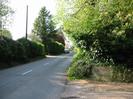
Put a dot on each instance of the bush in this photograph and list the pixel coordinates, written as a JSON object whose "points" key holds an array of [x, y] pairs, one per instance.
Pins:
{"points": [[5, 33], [32, 49], [80, 70], [122, 74], [26, 44], [55, 48], [104, 30], [58, 37], [11, 50], [80, 67], [37, 49], [18, 51], [109, 35], [5, 51]]}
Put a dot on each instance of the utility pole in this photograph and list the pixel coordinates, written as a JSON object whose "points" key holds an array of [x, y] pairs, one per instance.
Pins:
{"points": [[26, 22]]}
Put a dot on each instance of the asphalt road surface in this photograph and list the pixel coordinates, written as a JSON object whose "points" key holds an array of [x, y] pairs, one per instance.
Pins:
{"points": [[43, 79]]}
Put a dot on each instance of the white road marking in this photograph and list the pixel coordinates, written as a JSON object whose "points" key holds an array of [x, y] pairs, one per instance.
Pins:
{"points": [[26, 72], [45, 64]]}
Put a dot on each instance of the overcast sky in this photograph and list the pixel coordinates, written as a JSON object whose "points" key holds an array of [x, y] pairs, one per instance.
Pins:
{"points": [[19, 6]]}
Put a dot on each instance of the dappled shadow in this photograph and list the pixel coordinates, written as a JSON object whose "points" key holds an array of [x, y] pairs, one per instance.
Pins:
{"points": [[83, 89], [59, 79], [70, 97]]}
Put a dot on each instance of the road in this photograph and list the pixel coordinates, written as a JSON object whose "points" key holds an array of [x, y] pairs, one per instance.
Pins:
{"points": [[43, 79]]}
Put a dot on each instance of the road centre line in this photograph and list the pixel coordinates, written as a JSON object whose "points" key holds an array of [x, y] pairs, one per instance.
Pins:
{"points": [[27, 72], [46, 63]]}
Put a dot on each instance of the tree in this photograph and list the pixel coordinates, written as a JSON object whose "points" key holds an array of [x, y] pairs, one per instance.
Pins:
{"points": [[5, 33], [103, 28], [5, 12], [34, 37], [43, 25]]}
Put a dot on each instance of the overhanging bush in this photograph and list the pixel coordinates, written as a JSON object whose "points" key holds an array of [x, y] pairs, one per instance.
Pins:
{"points": [[37, 49], [104, 29], [55, 48], [80, 67]]}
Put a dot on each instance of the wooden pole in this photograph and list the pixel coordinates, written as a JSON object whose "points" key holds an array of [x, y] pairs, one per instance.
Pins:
{"points": [[26, 21]]}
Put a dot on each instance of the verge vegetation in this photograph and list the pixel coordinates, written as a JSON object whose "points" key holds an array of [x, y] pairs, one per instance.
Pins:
{"points": [[102, 31], [19, 51]]}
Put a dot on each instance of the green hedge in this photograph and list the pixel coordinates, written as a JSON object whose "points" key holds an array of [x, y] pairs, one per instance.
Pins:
{"points": [[55, 48], [33, 49], [80, 66], [11, 50], [19, 51], [37, 49]]}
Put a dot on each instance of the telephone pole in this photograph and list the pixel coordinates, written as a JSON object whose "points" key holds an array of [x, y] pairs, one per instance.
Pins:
{"points": [[26, 22]]}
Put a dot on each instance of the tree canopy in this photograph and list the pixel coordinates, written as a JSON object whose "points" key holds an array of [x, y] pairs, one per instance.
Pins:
{"points": [[43, 24], [103, 28], [5, 12], [44, 28]]}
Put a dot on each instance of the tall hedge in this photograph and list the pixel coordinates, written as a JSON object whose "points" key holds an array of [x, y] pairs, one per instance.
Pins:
{"points": [[19, 51], [32, 49], [55, 48], [11, 50], [37, 49]]}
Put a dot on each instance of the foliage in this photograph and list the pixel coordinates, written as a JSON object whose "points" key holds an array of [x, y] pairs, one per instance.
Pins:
{"points": [[80, 67], [34, 37], [58, 37], [55, 48], [11, 50], [103, 28], [44, 29], [37, 49], [5, 12], [43, 25], [122, 74], [19, 51], [84, 67], [4, 9], [32, 49], [5, 33], [26, 43]]}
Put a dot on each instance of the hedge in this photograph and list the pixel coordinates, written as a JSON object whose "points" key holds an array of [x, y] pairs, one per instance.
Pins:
{"points": [[11, 50], [19, 51], [33, 49], [55, 48]]}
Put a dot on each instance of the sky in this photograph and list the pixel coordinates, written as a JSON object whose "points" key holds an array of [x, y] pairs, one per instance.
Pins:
{"points": [[18, 25]]}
